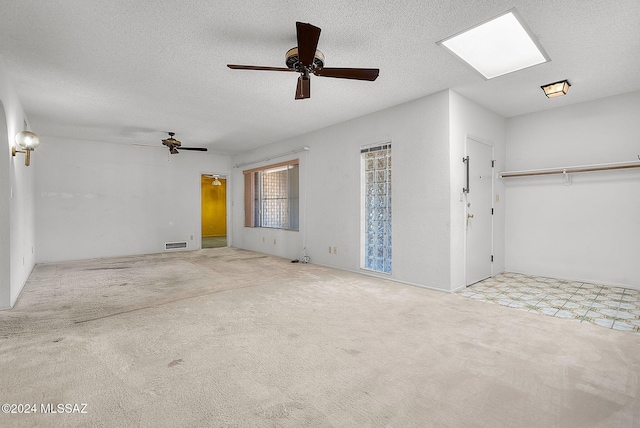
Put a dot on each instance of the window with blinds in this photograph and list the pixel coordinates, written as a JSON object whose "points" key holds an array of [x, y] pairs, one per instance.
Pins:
{"points": [[271, 196], [376, 179]]}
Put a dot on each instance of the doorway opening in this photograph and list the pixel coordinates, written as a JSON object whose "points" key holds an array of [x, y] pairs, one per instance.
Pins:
{"points": [[214, 210]]}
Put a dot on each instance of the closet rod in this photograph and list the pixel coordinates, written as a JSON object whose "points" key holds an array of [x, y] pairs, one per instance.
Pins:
{"points": [[570, 170]]}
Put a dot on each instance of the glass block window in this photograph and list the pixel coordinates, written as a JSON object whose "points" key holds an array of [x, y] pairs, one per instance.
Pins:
{"points": [[271, 196], [376, 179]]}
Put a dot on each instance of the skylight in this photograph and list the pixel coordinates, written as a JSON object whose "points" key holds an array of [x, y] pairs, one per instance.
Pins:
{"points": [[497, 47]]}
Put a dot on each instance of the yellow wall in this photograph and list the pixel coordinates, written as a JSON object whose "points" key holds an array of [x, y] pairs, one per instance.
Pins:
{"points": [[214, 207]]}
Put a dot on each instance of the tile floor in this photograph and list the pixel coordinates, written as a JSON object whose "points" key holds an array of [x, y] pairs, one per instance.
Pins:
{"points": [[611, 307]]}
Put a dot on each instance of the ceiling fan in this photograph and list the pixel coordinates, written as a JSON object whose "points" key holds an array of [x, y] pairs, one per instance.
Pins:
{"points": [[174, 145], [306, 60]]}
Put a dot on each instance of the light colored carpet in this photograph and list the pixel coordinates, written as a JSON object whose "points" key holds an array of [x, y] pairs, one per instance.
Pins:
{"points": [[230, 338]]}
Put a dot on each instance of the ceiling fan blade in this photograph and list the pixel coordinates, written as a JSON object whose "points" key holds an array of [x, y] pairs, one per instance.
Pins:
{"points": [[370, 74], [257, 67], [198, 149], [308, 37], [303, 89]]}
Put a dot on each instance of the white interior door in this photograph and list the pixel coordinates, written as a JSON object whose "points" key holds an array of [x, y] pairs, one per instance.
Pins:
{"points": [[479, 212]]}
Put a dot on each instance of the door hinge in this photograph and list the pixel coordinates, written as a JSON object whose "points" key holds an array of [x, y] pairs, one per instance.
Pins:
{"points": [[493, 163], [491, 257], [491, 211]]}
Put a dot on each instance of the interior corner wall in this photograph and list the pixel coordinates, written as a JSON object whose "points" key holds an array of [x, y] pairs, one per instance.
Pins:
{"points": [[5, 212], [277, 242], [586, 231], [468, 119], [331, 192], [97, 199], [17, 236]]}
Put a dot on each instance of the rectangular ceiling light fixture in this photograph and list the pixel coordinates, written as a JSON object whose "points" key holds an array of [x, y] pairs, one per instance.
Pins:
{"points": [[556, 89], [499, 46]]}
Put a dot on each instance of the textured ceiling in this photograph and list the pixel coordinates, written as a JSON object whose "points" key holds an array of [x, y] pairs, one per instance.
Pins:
{"points": [[126, 71]]}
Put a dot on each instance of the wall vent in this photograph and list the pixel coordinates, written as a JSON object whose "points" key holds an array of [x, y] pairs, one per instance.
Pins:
{"points": [[175, 245]]}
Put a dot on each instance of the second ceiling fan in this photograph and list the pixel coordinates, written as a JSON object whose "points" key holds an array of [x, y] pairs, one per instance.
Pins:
{"points": [[174, 145], [305, 59]]}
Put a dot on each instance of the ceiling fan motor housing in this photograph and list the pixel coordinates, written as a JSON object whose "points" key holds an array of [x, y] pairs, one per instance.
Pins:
{"points": [[171, 142], [292, 60]]}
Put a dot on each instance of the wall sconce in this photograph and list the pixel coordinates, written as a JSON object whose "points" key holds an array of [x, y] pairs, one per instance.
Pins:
{"points": [[556, 89], [215, 181], [27, 141]]}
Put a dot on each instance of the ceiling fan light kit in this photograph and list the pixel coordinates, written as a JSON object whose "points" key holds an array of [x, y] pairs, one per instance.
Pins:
{"points": [[292, 59], [174, 145], [306, 59]]}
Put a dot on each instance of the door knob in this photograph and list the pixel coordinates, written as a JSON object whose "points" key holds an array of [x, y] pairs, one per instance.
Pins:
{"points": [[469, 215]]}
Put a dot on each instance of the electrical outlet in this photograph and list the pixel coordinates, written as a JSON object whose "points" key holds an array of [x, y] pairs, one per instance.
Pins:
{"points": [[497, 198], [274, 242], [263, 239]]}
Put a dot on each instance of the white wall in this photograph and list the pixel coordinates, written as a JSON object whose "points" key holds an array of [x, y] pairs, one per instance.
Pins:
{"points": [[330, 175], [17, 233], [587, 231], [103, 199], [468, 119], [5, 213]]}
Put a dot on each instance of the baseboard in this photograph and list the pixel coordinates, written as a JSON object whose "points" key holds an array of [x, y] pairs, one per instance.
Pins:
{"points": [[455, 290], [462, 287], [12, 302], [388, 278], [574, 279]]}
